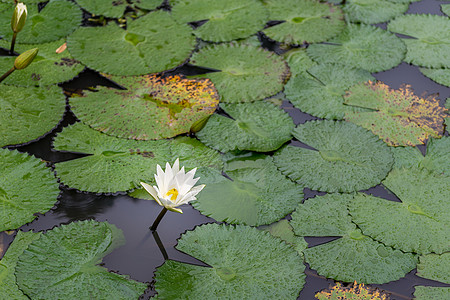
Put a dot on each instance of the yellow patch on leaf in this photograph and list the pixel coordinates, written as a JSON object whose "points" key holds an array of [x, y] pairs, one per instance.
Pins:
{"points": [[353, 292]]}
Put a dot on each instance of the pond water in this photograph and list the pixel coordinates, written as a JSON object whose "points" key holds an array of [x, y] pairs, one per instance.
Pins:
{"points": [[141, 254]]}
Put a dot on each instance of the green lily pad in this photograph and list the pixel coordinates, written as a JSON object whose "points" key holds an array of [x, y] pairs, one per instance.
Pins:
{"points": [[445, 8], [399, 117], [27, 187], [150, 44], [114, 8], [321, 93], [8, 285], [431, 293], [304, 21], [352, 257], [152, 107], [430, 45], [441, 76], [299, 62], [247, 73], [339, 161], [437, 158], [373, 11], [47, 68], [435, 267], [283, 230], [258, 126], [56, 20], [257, 194], [64, 264], [29, 113], [114, 164], [361, 46], [423, 212], [271, 268], [226, 20]]}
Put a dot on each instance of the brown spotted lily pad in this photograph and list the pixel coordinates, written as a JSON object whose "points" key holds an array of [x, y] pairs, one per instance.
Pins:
{"points": [[151, 107], [399, 117]]}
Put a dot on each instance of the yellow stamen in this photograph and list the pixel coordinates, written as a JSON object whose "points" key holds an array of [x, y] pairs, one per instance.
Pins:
{"points": [[173, 193]]}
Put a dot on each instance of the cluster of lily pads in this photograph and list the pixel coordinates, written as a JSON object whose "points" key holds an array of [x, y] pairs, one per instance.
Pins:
{"points": [[228, 122]]}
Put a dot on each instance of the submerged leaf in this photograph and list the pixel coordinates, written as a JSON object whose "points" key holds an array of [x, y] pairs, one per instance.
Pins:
{"points": [[373, 11], [152, 107], [27, 187], [435, 267], [64, 264], [247, 73], [271, 268], [398, 117]]}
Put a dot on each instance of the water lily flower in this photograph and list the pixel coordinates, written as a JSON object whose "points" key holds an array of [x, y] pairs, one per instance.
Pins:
{"points": [[174, 187], [19, 17]]}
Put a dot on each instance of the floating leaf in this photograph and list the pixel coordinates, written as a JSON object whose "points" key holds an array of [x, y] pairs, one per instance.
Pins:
{"points": [[445, 8], [64, 264], [152, 107], [441, 76], [48, 67], [361, 46], [320, 94], [339, 161], [423, 211], [247, 73], [431, 293], [299, 62], [257, 194], [430, 45], [354, 256], [258, 126], [29, 113], [8, 285], [27, 187], [374, 11], [114, 164], [437, 158], [56, 20], [398, 117], [283, 230], [115, 9], [150, 44], [304, 21], [224, 20], [435, 267], [271, 268], [353, 292]]}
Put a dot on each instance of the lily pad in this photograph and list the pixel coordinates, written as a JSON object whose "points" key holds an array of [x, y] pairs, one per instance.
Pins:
{"points": [[27, 187], [246, 73], [114, 8], [441, 76], [152, 107], [435, 267], [399, 117], [303, 21], [271, 268], [373, 11], [64, 264], [257, 194], [224, 20], [283, 230], [258, 126], [352, 257], [321, 93], [423, 211], [431, 293], [56, 20], [354, 291], [47, 68], [339, 161], [113, 164], [445, 8], [150, 44], [430, 42], [437, 158], [361, 46], [8, 285], [29, 113], [299, 62]]}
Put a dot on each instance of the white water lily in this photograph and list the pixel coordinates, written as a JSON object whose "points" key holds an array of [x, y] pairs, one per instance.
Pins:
{"points": [[19, 17], [174, 187]]}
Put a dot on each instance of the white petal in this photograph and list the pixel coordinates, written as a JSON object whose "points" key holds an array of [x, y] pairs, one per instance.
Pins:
{"points": [[191, 194], [176, 166], [152, 191]]}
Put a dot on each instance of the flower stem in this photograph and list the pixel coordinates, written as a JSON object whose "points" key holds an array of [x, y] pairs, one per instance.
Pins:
{"points": [[160, 245], [13, 42], [158, 219], [7, 74]]}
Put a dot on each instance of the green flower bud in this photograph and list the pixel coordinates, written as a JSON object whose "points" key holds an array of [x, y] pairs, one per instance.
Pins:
{"points": [[19, 17], [23, 60]]}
